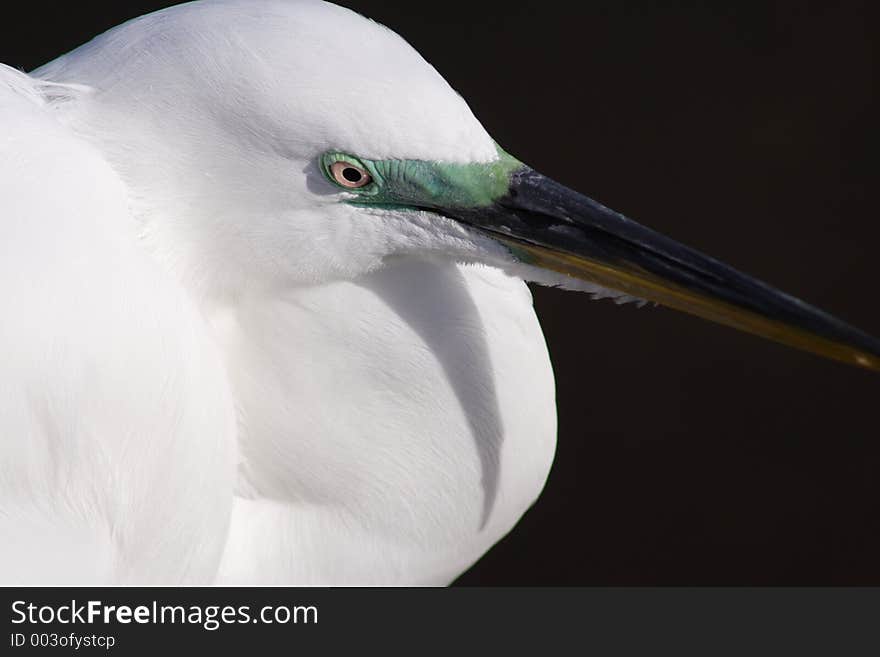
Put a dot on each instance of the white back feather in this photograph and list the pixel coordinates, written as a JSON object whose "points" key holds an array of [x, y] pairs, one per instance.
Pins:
{"points": [[116, 425]]}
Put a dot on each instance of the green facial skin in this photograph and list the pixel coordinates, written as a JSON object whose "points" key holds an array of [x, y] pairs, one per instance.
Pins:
{"points": [[420, 184]]}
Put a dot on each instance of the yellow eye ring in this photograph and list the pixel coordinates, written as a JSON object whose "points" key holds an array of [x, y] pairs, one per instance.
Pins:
{"points": [[350, 175]]}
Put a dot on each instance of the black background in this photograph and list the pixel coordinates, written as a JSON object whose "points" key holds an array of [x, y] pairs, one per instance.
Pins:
{"points": [[688, 453]]}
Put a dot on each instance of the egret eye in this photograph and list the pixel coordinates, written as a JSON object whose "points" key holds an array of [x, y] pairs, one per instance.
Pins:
{"points": [[350, 175]]}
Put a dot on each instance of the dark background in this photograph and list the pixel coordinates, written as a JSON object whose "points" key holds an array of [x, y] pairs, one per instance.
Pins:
{"points": [[688, 453]]}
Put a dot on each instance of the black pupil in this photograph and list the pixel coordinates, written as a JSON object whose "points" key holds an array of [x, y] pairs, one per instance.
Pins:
{"points": [[352, 175]]}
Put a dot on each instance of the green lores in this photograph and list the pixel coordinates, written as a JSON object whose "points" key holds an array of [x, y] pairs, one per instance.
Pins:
{"points": [[429, 185]]}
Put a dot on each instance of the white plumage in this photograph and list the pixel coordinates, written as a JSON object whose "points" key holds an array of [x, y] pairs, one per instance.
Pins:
{"points": [[265, 318], [216, 372], [116, 420]]}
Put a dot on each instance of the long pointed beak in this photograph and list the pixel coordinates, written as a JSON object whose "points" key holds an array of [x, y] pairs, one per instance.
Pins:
{"points": [[551, 226]]}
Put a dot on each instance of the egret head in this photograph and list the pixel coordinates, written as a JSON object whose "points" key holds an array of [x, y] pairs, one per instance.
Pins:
{"points": [[278, 143], [221, 116]]}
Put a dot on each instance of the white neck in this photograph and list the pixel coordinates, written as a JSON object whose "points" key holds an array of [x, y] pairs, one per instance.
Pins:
{"points": [[409, 413]]}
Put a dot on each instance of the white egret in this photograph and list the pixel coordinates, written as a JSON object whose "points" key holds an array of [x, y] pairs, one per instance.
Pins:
{"points": [[266, 319]]}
